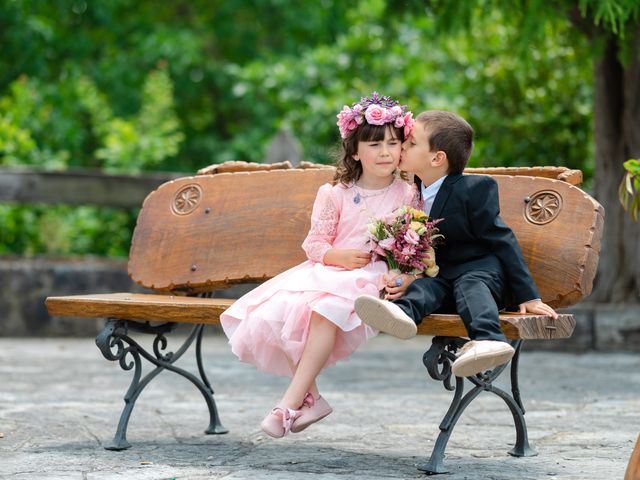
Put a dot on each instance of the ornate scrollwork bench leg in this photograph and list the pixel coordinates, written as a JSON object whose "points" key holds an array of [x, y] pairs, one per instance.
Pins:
{"points": [[112, 340], [438, 360]]}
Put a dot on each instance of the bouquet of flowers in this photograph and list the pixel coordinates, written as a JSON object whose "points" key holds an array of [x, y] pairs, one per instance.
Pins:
{"points": [[406, 241]]}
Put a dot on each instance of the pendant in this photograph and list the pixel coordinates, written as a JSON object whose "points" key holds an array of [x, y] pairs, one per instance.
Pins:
{"points": [[357, 198]]}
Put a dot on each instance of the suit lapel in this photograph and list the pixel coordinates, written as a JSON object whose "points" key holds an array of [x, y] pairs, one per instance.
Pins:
{"points": [[443, 195]]}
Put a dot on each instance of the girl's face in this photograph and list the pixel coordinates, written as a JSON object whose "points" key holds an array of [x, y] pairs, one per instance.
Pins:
{"points": [[379, 158]]}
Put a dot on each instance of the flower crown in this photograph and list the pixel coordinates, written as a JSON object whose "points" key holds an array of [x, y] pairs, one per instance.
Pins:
{"points": [[376, 110]]}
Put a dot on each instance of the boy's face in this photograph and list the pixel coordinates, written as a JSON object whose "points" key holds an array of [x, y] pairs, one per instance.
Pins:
{"points": [[416, 151]]}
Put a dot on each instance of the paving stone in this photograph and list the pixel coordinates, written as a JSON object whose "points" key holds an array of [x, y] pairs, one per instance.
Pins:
{"points": [[60, 401]]}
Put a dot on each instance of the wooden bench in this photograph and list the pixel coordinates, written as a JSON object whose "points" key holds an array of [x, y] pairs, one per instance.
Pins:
{"points": [[196, 235], [633, 467]]}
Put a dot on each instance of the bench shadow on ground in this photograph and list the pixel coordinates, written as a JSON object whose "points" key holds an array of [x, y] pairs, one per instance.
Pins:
{"points": [[263, 454]]}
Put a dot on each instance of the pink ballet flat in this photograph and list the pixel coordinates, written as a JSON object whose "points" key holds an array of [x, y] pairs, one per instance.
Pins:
{"points": [[279, 421], [312, 411]]}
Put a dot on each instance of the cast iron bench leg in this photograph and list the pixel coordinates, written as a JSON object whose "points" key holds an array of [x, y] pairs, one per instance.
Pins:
{"points": [[115, 335], [438, 360]]}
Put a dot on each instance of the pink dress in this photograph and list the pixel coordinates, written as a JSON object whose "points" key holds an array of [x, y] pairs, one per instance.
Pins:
{"points": [[268, 326]]}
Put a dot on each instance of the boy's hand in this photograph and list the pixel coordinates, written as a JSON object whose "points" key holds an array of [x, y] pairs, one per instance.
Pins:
{"points": [[537, 306], [347, 258], [391, 284]]}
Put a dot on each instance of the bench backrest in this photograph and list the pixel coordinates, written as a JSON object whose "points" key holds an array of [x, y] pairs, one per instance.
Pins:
{"points": [[210, 232]]}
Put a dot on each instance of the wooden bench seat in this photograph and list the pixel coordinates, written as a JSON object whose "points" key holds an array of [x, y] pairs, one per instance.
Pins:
{"points": [[198, 235], [174, 308], [141, 306]]}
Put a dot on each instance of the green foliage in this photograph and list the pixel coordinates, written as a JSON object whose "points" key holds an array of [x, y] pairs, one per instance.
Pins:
{"points": [[612, 15], [135, 85], [629, 191], [65, 230], [16, 144], [145, 140], [533, 112], [40, 128]]}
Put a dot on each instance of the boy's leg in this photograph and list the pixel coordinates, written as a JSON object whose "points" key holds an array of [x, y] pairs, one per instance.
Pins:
{"points": [[477, 295], [399, 318], [425, 296]]}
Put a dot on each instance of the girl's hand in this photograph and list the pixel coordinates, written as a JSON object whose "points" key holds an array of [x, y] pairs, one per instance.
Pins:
{"points": [[393, 289], [347, 258]]}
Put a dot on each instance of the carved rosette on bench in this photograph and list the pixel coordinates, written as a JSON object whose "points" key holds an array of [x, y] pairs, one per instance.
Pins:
{"points": [[187, 199], [198, 234], [543, 207]]}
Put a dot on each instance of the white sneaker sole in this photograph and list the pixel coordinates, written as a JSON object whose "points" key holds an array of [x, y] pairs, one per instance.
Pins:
{"points": [[465, 367], [376, 314]]}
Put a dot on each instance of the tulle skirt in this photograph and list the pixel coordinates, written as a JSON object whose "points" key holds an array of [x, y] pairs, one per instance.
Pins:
{"points": [[269, 326]]}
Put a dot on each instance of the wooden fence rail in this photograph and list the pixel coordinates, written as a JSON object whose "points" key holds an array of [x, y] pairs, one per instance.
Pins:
{"points": [[78, 187]]}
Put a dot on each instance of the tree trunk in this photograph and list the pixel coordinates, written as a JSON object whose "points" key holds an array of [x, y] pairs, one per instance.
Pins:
{"points": [[617, 138]]}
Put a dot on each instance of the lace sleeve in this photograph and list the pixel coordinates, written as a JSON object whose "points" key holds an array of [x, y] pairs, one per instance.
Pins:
{"points": [[324, 225]]}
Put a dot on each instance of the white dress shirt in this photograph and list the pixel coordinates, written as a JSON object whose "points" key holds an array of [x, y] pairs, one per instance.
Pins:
{"points": [[429, 194]]}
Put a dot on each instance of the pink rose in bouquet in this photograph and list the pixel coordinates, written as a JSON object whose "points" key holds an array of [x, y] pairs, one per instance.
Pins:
{"points": [[406, 241]]}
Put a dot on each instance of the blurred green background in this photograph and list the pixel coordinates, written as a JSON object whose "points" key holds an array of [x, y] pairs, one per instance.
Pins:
{"points": [[133, 85]]}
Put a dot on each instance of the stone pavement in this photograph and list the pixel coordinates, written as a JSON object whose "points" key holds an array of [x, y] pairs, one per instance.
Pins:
{"points": [[60, 399]]}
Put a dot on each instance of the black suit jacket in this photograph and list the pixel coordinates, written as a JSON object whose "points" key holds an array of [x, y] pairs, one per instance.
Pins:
{"points": [[476, 238]]}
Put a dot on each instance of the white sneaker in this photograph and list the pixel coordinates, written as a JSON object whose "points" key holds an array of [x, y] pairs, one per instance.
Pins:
{"points": [[385, 316], [479, 355]]}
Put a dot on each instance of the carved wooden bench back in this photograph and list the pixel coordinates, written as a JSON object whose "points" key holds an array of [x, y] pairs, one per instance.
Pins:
{"points": [[212, 231]]}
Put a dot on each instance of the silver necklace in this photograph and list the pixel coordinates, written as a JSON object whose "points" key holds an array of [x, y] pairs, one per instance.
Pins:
{"points": [[358, 197]]}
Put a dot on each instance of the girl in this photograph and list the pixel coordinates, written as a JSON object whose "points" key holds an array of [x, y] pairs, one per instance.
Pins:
{"points": [[303, 320]]}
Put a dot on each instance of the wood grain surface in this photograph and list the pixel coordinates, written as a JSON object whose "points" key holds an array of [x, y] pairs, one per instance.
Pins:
{"points": [[209, 232], [249, 226], [140, 306], [181, 309], [514, 326]]}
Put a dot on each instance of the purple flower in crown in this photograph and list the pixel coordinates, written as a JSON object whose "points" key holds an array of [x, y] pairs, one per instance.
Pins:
{"points": [[375, 110]]}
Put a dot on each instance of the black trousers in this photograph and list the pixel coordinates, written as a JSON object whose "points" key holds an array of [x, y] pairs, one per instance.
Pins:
{"points": [[476, 296]]}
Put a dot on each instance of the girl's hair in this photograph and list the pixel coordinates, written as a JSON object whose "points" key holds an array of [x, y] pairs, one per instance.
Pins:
{"points": [[349, 170]]}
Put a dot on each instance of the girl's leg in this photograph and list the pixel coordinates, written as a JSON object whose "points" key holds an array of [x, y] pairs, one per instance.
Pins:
{"points": [[313, 389], [320, 342]]}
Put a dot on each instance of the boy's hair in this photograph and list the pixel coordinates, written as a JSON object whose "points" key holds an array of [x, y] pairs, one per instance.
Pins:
{"points": [[349, 170], [450, 133]]}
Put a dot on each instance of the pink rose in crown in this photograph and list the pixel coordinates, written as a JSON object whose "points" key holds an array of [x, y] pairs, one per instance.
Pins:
{"points": [[408, 124], [388, 116], [375, 115], [346, 121], [375, 110], [345, 116]]}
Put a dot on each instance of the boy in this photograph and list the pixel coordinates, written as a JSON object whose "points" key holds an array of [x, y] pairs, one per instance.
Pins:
{"points": [[479, 259]]}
